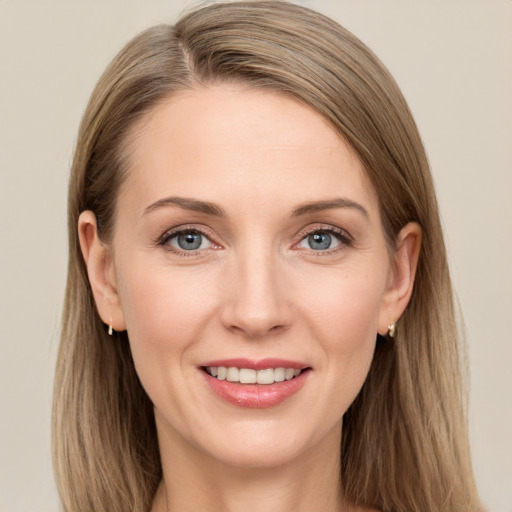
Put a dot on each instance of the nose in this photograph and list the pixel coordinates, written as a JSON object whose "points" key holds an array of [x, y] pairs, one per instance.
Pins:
{"points": [[256, 300]]}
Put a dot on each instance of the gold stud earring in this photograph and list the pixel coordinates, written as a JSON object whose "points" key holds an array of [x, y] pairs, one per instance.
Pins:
{"points": [[392, 330]]}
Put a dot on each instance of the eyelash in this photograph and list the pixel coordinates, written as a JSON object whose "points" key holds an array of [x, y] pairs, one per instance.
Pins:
{"points": [[163, 241], [341, 235]]}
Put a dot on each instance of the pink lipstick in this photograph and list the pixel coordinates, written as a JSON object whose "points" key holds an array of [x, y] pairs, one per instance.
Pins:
{"points": [[255, 384]]}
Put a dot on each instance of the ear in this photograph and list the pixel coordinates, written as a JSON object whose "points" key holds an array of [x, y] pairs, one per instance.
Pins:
{"points": [[401, 276], [100, 269]]}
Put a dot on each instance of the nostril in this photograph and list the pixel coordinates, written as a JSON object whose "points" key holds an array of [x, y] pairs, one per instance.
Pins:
{"points": [[254, 304], [256, 327]]}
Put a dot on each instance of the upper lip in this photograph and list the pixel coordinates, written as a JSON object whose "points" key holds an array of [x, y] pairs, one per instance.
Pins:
{"points": [[261, 364]]}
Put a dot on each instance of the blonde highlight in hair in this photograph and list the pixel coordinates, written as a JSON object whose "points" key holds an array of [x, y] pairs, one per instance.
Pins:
{"points": [[405, 444]]}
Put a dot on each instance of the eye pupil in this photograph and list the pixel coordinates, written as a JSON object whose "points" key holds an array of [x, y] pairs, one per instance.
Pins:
{"points": [[319, 241], [189, 241]]}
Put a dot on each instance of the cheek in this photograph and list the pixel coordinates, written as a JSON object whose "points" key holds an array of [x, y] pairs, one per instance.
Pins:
{"points": [[156, 299], [165, 313], [346, 304], [342, 315]]}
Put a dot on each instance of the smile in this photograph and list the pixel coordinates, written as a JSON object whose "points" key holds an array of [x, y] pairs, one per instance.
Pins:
{"points": [[250, 376], [255, 384]]}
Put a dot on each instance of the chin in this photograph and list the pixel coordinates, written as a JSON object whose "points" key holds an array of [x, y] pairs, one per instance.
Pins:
{"points": [[262, 446], [260, 456]]}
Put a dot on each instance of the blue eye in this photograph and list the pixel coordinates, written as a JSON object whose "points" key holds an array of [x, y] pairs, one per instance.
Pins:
{"points": [[321, 240], [189, 240]]}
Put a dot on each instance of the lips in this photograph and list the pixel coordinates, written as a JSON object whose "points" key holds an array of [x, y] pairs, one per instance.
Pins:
{"points": [[255, 384], [251, 376]]}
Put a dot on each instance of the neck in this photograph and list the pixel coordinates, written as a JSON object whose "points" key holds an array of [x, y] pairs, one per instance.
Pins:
{"points": [[193, 481]]}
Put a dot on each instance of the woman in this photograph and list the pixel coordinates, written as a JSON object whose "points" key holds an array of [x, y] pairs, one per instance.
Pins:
{"points": [[258, 310]]}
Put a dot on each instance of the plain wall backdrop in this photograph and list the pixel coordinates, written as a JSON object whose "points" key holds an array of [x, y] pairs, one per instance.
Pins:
{"points": [[453, 61]]}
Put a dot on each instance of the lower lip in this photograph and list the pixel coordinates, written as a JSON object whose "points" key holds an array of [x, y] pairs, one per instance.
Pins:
{"points": [[256, 396]]}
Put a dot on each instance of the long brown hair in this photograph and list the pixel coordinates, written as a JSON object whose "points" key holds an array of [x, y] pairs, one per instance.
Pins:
{"points": [[405, 444]]}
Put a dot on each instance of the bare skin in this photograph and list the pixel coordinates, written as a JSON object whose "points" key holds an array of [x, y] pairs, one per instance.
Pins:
{"points": [[293, 486], [290, 262]]}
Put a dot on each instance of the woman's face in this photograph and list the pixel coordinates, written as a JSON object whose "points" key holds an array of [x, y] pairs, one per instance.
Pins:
{"points": [[248, 236]]}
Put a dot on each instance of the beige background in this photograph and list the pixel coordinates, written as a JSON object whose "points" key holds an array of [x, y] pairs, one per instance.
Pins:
{"points": [[453, 60]]}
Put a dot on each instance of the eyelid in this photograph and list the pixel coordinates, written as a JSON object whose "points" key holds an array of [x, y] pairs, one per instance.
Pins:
{"points": [[343, 236], [163, 239]]}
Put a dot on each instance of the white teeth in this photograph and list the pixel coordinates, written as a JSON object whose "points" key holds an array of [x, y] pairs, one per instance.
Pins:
{"points": [[247, 376], [279, 374], [265, 376], [289, 373], [250, 376], [233, 375]]}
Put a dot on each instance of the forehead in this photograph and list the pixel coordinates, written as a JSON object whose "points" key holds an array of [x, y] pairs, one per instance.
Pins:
{"points": [[225, 140]]}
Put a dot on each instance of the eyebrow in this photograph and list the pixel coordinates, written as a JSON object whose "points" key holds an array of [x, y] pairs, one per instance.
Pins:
{"points": [[337, 202], [212, 209], [187, 204]]}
